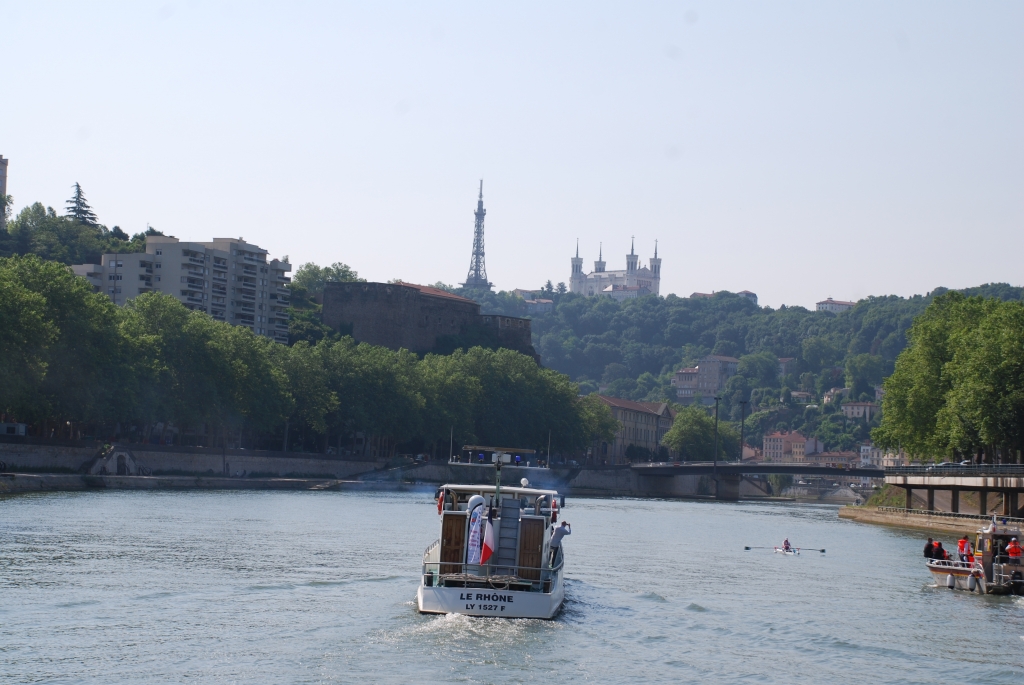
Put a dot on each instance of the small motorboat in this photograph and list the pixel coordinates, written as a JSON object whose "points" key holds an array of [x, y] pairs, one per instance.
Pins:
{"points": [[989, 570]]}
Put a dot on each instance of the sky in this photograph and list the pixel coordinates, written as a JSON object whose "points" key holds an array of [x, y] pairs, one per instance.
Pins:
{"points": [[800, 150]]}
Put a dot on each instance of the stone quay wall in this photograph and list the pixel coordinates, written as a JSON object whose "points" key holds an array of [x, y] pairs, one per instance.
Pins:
{"points": [[198, 461]]}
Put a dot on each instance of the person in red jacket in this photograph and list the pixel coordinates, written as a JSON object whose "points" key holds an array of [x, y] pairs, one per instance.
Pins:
{"points": [[963, 548], [1013, 551]]}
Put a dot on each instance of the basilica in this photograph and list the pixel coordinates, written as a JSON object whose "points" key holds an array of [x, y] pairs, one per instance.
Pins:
{"points": [[632, 282]]}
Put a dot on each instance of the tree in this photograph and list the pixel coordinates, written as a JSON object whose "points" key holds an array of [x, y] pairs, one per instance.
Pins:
{"points": [[561, 289], [863, 373], [313, 277], [917, 391], [79, 210], [693, 436]]}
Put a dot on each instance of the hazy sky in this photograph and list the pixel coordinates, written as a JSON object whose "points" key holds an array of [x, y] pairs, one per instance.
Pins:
{"points": [[799, 150]]}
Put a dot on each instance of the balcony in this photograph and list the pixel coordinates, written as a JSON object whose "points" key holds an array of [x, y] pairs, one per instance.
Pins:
{"points": [[196, 260]]}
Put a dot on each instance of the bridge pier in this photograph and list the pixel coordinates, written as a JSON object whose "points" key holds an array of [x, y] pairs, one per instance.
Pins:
{"points": [[910, 498], [727, 488], [931, 499], [983, 502], [954, 500]]}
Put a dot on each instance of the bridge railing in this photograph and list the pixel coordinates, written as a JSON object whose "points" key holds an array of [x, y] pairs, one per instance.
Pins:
{"points": [[950, 514], [957, 470]]}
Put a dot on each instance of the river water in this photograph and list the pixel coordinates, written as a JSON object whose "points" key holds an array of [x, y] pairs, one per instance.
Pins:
{"points": [[282, 587]]}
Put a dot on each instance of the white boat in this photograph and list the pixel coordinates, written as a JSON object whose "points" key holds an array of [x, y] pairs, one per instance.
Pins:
{"points": [[792, 551], [988, 570], [519, 580]]}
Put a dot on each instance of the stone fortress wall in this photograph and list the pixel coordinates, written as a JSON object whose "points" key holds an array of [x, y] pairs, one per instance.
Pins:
{"points": [[402, 315]]}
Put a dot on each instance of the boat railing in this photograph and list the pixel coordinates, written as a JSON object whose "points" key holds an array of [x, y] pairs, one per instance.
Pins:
{"points": [[956, 564], [466, 572], [431, 547]]}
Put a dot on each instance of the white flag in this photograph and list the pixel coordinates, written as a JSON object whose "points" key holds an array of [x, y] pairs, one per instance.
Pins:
{"points": [[475, 520]]}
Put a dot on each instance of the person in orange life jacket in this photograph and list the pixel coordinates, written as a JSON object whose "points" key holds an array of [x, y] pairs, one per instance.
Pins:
{"points": [[1013, 551], [939, 552], [963, 548]]}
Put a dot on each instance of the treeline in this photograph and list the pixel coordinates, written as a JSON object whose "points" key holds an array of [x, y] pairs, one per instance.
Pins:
{"points": [[73, 237], [74, 363], [958, 389], [632, 349]]}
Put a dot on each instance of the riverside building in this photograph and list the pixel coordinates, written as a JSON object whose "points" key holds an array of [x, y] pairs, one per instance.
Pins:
{"points": [[227, 278]]}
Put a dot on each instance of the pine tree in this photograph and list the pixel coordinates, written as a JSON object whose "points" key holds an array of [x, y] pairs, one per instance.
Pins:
{"points": [[79, 210]]}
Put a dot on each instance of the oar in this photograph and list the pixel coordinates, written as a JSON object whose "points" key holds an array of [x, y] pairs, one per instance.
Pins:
{"points": [[810, 549], [750, 548]]}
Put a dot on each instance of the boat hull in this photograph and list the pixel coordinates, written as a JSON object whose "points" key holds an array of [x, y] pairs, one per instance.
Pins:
{"points": [[487, 602]]}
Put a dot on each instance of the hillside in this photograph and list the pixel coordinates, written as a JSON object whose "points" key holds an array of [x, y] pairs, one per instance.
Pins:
{"points": [[631, 349]]}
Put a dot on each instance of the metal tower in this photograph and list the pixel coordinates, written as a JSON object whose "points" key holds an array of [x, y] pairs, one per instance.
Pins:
{"points": [[477, 277]]}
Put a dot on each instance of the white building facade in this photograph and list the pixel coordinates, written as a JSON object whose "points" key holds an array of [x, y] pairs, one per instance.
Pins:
{"points": [[227, 278], [633, 281]]}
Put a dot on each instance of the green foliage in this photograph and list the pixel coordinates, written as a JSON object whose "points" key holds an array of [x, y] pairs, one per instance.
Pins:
{"points": [[313, 278], [70, 355], [38, 230], [693, 436], [958, 389], [78, 210]]}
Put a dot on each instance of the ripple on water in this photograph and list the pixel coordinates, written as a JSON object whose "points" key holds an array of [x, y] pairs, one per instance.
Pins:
{"points": [[299, 587]]}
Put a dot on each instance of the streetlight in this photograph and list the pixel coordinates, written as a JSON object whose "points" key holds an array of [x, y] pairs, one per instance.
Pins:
{"points": [[715, 467], [743, 411], [716, 437]]}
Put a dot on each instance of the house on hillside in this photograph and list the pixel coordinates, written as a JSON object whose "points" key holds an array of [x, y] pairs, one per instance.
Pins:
{"points": [[859, 410], [834, 306]]}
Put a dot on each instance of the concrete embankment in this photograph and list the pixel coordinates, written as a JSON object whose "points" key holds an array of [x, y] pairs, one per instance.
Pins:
{"points": [[12, 483], [921, 521], [199, 461]]}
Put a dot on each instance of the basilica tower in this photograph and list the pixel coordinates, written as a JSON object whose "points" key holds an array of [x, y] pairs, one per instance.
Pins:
{"points": [[577, 280]]}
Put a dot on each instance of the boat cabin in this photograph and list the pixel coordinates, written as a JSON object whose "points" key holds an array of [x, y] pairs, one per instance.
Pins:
{"points": [[990, 546], [521, 518]]}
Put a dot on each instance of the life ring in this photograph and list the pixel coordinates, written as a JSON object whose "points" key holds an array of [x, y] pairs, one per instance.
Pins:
{"points": [[554, 510], [440, 503]]}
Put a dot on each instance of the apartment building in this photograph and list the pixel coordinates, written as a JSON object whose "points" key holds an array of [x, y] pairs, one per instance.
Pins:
{"points": [[642, 424], [789, 446], [712, 373], [685, 383], [227, 278]]}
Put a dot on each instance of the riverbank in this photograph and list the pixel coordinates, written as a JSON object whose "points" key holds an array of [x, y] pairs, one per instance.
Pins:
{"points": [[14, 483], [937, 521]]}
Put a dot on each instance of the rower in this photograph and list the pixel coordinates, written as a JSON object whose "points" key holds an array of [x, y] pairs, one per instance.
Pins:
{"points": [[785, 545], [1013, 551]]}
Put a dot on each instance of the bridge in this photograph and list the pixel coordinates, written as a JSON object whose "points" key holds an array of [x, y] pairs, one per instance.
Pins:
{"points": [[985, 479], [727, 474]]}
